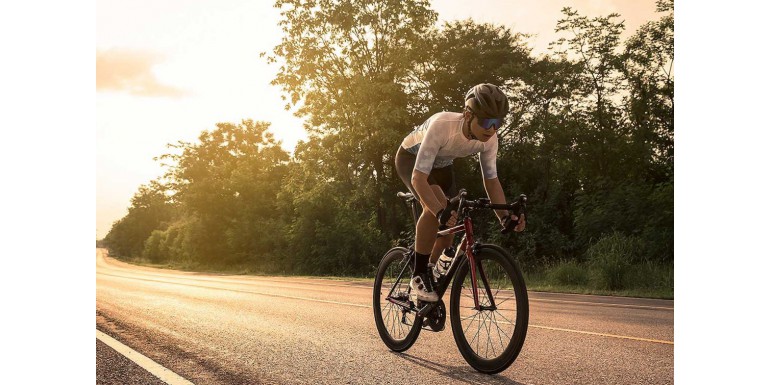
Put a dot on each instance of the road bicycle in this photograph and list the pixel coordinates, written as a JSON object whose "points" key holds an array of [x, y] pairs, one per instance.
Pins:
{"points": [[488, 304]]}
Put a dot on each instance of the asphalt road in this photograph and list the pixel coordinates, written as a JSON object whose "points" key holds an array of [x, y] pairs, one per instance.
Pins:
{"points": [[223, 329]]}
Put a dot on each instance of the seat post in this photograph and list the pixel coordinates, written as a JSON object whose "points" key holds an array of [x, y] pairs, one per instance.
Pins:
{"points": [[410, 199], [415, 211]]}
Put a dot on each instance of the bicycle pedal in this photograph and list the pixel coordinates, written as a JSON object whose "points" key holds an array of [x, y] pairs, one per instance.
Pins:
{"points": [[429, 328]]}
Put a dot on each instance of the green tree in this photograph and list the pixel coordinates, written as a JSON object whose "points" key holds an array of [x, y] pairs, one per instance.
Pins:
{"points": [[346, 66], [649, 67], [150, 209], [227, 183], [592, 47], [460, 55]]}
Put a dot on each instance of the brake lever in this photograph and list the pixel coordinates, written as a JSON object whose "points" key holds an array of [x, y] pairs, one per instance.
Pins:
{"points": [[519, 208]]}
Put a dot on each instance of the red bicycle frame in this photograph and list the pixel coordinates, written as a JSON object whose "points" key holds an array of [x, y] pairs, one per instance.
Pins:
{"points": [[467, 247]]}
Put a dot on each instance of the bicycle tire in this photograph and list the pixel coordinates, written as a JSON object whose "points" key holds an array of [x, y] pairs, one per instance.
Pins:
{"points": [[506, 269], [390, 266]]}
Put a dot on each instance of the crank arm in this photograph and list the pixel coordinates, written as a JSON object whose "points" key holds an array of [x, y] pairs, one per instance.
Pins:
{"points": [[427, 309]]}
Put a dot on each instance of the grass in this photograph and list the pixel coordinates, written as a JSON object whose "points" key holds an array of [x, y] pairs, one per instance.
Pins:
{"points": [[644, 280]]}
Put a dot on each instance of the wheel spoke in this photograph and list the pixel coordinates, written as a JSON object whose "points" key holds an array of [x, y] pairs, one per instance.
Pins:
{"points": [[387, 314], [392, 319], [498, 303], [492, 341], [488, 339], [506, 318], [471, 323], [499, 337], [474, 338], [500, 330]]}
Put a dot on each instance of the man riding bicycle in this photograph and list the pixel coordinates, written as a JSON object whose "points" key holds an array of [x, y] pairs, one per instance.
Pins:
{"points": [[424, 164]]}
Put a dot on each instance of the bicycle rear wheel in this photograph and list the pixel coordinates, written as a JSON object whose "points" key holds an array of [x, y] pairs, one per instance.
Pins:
{"points": [[490, 340], [395, 318]]}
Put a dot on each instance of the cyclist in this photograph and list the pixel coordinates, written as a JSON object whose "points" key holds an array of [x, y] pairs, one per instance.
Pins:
{"points": [[424, 164]]}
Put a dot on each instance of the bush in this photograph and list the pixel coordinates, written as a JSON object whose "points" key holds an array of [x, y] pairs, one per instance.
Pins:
{"points": [[568, 273], [154, 245], [650, 276], [610, 259], [658, 233]]}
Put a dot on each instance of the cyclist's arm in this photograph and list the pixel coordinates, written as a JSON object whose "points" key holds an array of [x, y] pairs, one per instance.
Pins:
{"points": [[488, 162], [496, 195], [433, 141], [426, 195]]}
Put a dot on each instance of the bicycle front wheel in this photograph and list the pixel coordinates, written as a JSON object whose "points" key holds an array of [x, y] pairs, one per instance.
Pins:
{"points": [[491, 338], [394, 314]]}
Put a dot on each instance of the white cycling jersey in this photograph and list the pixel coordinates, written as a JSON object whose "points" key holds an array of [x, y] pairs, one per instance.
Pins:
{"points": [[439, 140]]}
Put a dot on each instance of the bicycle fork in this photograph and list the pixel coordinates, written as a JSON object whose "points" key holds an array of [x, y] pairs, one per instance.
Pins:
{"points": [[476, 269], [468, 246]]}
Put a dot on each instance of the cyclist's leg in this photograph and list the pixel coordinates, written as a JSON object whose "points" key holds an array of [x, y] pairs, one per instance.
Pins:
{"points": [[404, 162], [442, 182], [427, 226], [440, 243], [425, 236]]}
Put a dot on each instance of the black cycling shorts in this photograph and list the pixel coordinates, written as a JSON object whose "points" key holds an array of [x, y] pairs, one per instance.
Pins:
{"points": [[443, 177]]}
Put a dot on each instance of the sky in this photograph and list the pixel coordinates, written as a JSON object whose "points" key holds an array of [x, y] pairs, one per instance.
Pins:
{"points": [[168, 69]]}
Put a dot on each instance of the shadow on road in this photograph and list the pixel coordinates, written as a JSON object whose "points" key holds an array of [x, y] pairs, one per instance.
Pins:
{"points": [[462, 373]]}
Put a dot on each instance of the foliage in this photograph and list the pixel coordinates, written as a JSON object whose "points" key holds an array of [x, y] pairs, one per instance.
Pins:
{"points": [[650, 276], [648, 66], [645, 279], [150, 209], [611, 257], [568, 273], [225, 187], [646, 211]]}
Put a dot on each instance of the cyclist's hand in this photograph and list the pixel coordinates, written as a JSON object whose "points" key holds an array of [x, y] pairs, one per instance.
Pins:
{"points": [[522, 223], [452, 219], [446, 218], [512, 222]]}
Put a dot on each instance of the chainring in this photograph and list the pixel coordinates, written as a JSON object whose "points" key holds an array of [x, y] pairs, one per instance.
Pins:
{"points": [[436, 319]]}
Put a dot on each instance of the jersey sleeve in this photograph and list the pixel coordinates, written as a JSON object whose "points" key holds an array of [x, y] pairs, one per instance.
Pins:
{"points": [[488, 159], [433, 140]]}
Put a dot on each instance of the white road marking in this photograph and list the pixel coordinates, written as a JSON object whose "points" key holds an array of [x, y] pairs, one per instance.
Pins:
{"points": [[583, 332], [149, 365], [602, 304], [603, 334]]}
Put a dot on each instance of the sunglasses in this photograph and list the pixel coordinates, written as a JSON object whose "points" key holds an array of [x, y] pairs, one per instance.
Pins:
{"points": [[489, 123]]}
